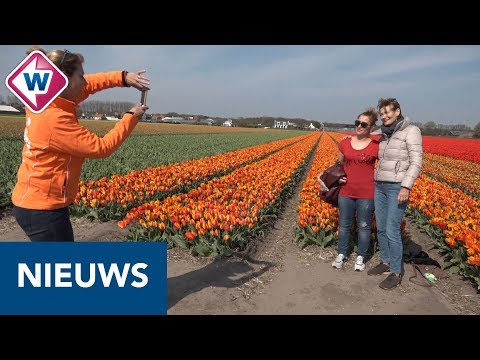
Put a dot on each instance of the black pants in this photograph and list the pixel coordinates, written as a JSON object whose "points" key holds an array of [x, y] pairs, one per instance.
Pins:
{"points": [[45, 225]]}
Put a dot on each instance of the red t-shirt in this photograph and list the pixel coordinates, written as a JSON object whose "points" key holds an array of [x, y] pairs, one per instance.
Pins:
{"points": [[359, 166]]}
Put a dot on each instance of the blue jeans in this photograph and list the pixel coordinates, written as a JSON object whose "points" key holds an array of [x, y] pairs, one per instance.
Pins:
{"points": [[389, 216], [45, 225], [346, 208]]}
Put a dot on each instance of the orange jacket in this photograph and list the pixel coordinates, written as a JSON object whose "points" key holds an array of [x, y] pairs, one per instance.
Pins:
{"points": [[56, 146]]}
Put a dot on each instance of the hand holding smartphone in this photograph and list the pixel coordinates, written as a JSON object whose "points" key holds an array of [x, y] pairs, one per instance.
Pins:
{"points": [[143, 98]]}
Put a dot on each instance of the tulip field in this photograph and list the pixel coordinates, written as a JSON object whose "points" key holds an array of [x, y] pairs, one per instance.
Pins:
{"points": [[212, 190], [445, 201]]}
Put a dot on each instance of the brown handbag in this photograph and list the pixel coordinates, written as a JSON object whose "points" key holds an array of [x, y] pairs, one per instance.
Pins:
{"points": [[329, 183], [423, 264]]}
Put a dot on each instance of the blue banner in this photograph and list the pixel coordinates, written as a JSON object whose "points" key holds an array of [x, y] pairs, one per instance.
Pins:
{"points": [[83, 278]]}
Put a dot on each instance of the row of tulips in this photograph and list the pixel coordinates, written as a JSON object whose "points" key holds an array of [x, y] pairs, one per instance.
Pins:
{"points": [[111, 198], [453, 217], [445, 201], [226, 212], [463, 149], [461, 174], [317, 220]]}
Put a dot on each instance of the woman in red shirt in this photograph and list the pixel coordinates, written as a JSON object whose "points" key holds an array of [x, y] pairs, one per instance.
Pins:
{"points": [[358, 155]]}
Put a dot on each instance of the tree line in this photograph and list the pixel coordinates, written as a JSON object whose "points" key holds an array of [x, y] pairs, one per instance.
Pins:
{"points": [[429, 128]]}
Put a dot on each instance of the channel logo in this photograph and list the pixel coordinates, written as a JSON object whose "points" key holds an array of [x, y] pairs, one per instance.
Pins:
{"points": [[36, 81]]}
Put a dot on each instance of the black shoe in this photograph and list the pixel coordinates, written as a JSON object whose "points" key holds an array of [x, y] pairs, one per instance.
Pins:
{"points": [[380, 269], [391, 281]]}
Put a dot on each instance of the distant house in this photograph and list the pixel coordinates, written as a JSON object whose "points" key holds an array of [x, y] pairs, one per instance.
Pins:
{"points": [[454, 133], [228, 122], [277, 124], [9, 110], [176, 120], [207, 121]]}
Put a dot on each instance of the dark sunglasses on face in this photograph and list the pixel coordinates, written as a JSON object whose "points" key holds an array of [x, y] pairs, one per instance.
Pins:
{"points": [[362, 124]]}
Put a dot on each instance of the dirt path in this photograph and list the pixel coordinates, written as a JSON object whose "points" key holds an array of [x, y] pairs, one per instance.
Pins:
{"points": [[275, 277]]}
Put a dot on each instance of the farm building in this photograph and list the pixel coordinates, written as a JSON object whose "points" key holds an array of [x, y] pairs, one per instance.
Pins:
{"points": [[9, 110]]}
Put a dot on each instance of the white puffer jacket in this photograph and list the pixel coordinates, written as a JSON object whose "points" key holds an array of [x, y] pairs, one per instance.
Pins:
{"points": [[400, 156]]}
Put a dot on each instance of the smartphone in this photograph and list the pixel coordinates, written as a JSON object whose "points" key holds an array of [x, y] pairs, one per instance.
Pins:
{"points": [[143, 98]]}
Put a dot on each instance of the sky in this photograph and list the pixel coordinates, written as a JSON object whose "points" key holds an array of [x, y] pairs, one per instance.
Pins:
{"points": [[328, 83]]}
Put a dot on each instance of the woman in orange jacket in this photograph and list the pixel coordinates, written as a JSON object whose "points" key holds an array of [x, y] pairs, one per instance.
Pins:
{"points": [[56, 146]]}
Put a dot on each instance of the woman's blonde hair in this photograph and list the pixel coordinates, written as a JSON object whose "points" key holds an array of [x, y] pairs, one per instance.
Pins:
{"points": [[66, 61], [371, 113]]}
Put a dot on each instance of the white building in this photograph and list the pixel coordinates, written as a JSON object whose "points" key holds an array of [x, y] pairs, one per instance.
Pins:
{"points": [[8, 109], [228, 122], [208, 121], [277, 124], [173, 119]]}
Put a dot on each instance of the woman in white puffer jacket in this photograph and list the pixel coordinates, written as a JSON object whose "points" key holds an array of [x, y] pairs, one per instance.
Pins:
{"points": [[399, 164]]}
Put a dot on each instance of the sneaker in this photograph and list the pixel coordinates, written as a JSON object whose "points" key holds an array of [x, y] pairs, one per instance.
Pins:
{"points": [[338, 262], [391, 281], [359, 265], [379, 269]]}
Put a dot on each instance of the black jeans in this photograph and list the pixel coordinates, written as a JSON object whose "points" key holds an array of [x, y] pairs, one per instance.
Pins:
{"points": [[45, 225]]}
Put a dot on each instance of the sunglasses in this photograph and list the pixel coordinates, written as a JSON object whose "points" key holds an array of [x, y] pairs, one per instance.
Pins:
{"points": [[65, 53], [362, 124]]}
